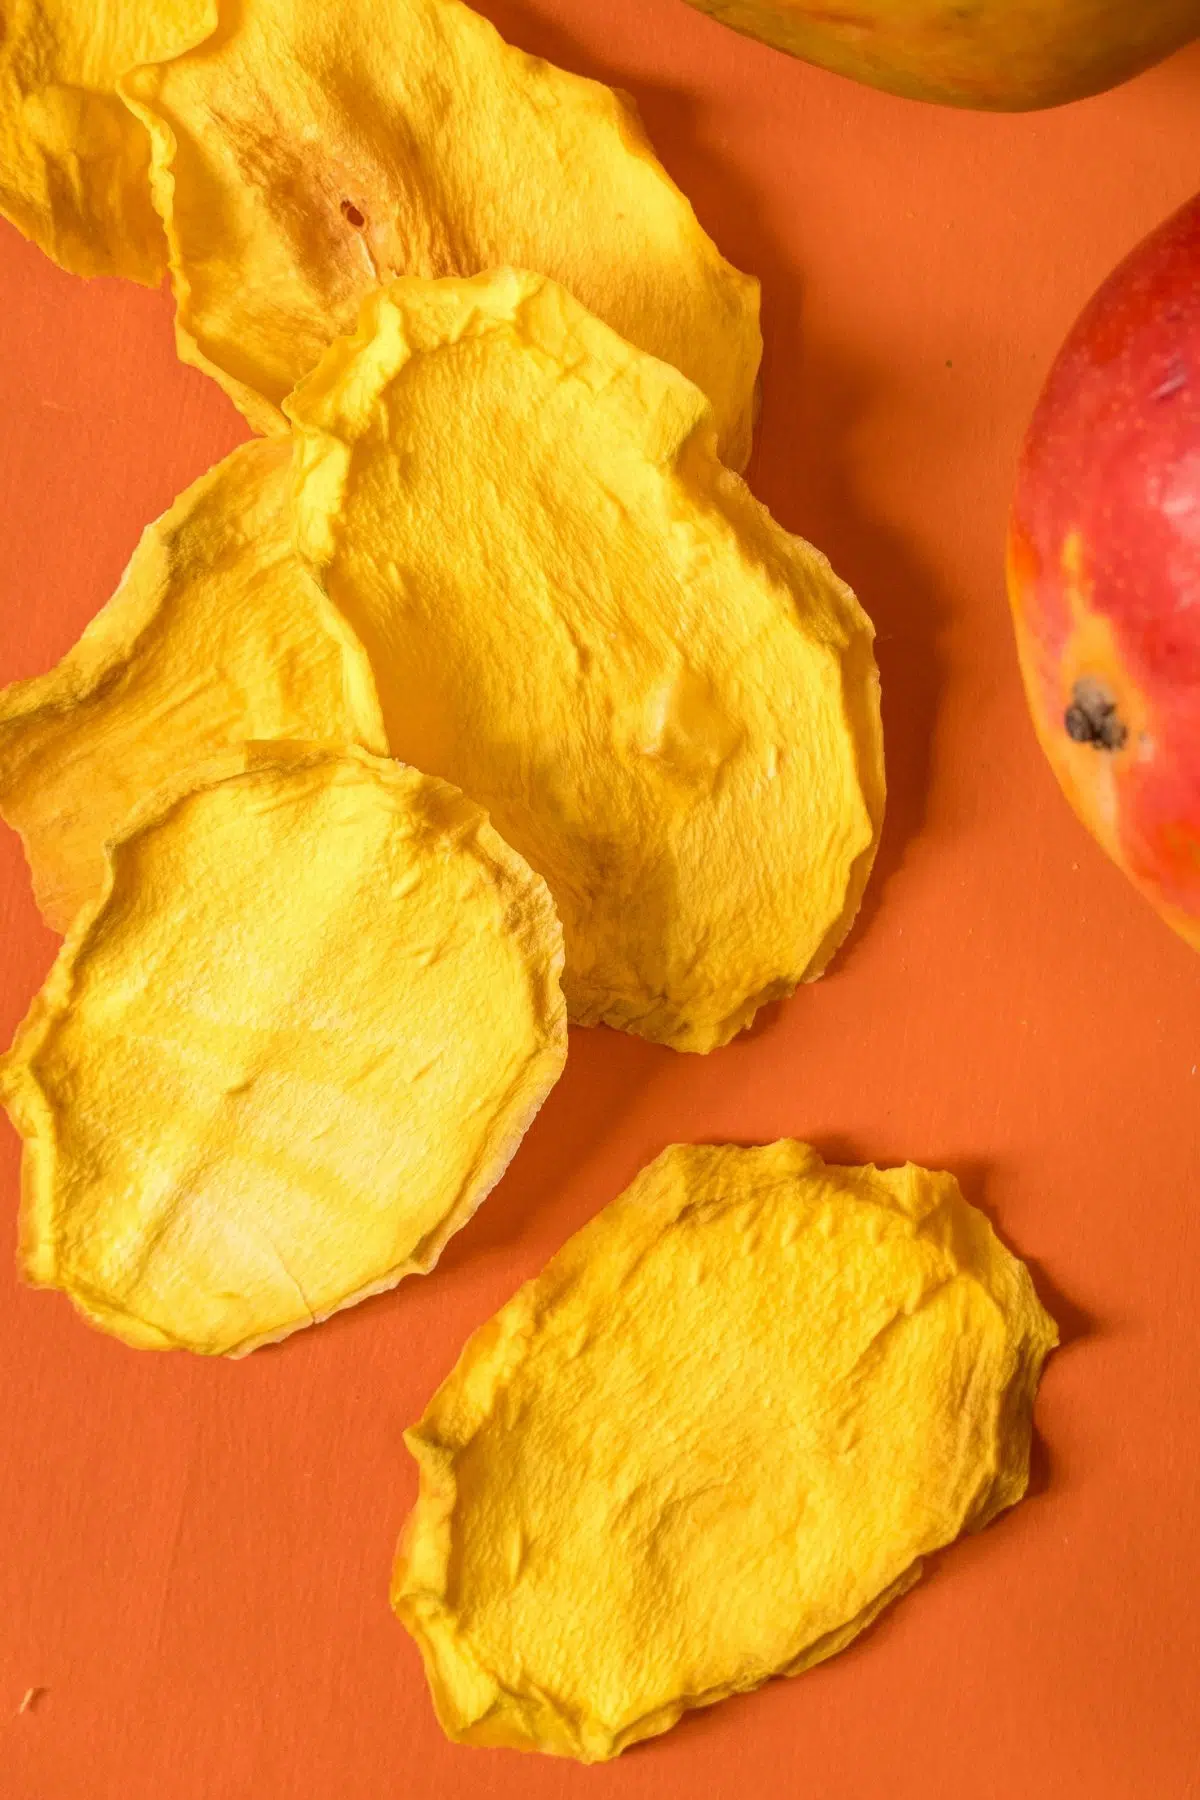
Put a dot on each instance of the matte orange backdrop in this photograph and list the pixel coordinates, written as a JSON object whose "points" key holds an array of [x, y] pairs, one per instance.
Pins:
{"points": [[194, 1556]]}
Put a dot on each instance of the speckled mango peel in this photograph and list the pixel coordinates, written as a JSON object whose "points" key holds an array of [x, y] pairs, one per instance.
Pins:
{"points": [[575, 613], [710, 1442], [74, 161], [216, 635], [308, 151], [287, 1052]]}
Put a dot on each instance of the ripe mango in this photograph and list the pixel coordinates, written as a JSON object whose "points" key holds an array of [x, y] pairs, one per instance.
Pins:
{"points": [[996, 55], [1104, 568]]}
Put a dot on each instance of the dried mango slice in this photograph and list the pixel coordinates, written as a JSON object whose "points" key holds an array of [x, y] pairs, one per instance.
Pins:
{"points": [[668, 705], [308, 151], [287, 1053], [74, 162], [217, 634], [710, 1443]]}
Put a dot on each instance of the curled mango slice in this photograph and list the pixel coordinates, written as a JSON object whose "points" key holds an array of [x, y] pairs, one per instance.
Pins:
{"points": [[74, 161], [287, 1052], [710, 1443], [309, 150], [217, 634], [575, 613]]}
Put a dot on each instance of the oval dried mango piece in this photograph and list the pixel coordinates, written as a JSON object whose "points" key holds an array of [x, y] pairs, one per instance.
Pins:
{"points": [[668, 705], [710, 1443], [286, 1055], [308, 151], [216, 635], [74, 161]]}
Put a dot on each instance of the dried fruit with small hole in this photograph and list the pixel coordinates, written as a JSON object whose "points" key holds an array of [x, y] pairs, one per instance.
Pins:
{"points": [[308, 151]]}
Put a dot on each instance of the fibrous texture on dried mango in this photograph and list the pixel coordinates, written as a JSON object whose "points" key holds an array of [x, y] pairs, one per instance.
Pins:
{"points": [[216, 635], [286, 1055], [308, 151], [74, 161], [668, 705], [710, 1443]]}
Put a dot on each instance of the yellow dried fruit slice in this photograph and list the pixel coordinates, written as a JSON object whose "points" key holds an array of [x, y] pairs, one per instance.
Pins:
{"points": [[308, 151], [286, 1055], [217, 634], [74, 162], [668, 705], [710, 1443]]}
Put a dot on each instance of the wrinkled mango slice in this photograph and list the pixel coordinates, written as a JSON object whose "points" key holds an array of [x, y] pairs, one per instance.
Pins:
{"points": [[710, 1443], [308, 151], [217, 634], [668, 705], [286, 1054], [74, 162]]}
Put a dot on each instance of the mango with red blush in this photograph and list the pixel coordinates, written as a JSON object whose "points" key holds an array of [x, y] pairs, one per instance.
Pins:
{"points": [[1104, 568]]}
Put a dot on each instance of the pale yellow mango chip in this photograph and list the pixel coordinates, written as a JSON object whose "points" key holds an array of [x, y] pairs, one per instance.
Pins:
{"points": [[310, 150], [217, 634], [668, 705], [287, 1053], [710, 1443], [74, 161]]}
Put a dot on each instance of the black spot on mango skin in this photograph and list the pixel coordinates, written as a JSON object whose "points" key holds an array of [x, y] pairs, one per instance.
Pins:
{"points": [[1092, 717], [352, 215]]}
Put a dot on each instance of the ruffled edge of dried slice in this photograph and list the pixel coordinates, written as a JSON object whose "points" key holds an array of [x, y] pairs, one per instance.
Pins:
{"points": [[261, 413], [759, 533], [34, 1117], [109, 642], [140, 256], [761, 538], [145, 262], [464, 1401]]}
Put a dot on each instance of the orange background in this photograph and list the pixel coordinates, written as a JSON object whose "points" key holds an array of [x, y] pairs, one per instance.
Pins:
{"points": [[194, 1556]]}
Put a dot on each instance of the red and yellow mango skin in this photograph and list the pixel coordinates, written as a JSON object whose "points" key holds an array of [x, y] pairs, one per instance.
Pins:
{"points": [[994, 55], [1104, 568]]}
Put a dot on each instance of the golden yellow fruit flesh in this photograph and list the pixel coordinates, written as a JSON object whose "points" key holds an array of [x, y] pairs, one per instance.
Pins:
{"points": [[74, 162], [217, 634], [309, 150], [287, 1053], [710, 1442], [668, 705]]}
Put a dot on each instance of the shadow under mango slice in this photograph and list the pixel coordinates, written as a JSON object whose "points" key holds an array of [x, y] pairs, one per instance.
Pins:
{"points": [[710, 1443], [579, 616], [286, 1054], [308, 151]]}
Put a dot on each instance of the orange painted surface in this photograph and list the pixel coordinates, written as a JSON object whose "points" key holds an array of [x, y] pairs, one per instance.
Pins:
{"points": [[195, 1556]]}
